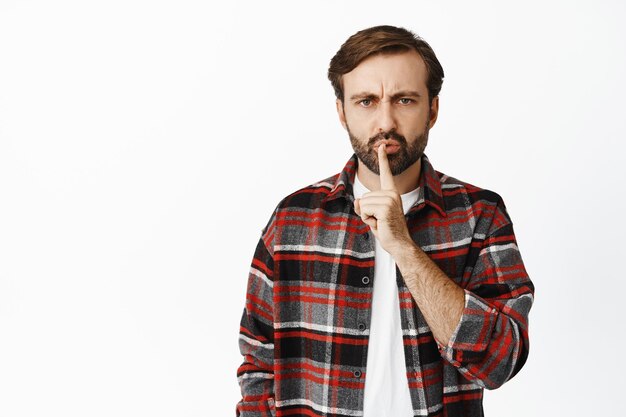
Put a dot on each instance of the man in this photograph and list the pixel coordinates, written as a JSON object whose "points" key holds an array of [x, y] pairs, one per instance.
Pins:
{"points": [[389, 289]]}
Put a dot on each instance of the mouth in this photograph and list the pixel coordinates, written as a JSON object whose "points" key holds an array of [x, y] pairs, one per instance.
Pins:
{"points": [[391, 146]]}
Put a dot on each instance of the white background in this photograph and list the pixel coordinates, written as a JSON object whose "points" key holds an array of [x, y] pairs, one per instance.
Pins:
{"points": [[144, 144]]}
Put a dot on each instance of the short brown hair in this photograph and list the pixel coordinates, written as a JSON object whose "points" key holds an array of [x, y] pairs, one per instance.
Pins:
{"points": [[383, 39]]}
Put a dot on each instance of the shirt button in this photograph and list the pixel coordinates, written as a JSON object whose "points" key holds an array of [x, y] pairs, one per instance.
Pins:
{"points": [[361, 326], [357, 374], [365, 280], [366, 236]]}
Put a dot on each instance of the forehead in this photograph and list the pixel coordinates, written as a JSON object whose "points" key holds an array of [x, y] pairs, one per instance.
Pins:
{"points": [[387, 73]]}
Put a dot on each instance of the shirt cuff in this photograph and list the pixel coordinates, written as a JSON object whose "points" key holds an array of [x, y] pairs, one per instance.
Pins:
{"points": [[473, 332]]}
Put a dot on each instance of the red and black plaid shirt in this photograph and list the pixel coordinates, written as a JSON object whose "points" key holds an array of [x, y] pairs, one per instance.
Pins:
{"points": [[305, 327]]}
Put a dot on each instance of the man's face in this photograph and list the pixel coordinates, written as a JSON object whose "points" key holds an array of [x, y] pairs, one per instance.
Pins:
{"points": [[386, 100]]}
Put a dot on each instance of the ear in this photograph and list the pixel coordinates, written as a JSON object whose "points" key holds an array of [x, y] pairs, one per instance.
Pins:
{"points": [[340, 113], [434, 111]]}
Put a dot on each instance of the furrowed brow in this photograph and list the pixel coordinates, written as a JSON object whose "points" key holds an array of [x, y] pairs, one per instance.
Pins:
{"points": [[408, 93], [363, 96]]}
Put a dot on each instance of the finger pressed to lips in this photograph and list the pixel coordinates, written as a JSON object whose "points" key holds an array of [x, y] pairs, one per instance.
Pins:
{"points": [[386, 178]]}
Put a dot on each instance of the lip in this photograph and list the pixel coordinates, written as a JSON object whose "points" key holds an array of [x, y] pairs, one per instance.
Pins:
{"points": [[391, 145]]}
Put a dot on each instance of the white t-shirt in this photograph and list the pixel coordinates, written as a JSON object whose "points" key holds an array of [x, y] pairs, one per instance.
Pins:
{"points": [[386, 385]]}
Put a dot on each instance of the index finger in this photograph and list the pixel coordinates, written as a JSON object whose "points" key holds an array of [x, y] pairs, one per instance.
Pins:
{"points": [[386, 178]]}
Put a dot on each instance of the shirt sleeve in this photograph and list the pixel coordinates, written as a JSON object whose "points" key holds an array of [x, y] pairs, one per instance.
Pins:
{"points": [[256, 335], [490, 343]]}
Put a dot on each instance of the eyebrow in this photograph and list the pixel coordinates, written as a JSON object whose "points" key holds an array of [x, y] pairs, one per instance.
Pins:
{"points": [[406, 93]]}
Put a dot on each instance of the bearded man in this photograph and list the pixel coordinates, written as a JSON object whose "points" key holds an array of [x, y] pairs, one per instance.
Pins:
{"points": [[388, 289]]}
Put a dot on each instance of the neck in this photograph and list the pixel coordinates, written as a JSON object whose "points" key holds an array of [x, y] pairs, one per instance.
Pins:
{"points": [[405, 182]]}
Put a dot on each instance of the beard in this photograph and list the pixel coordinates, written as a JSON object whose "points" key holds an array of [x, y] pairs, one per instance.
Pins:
{"points": [[406, 156]]}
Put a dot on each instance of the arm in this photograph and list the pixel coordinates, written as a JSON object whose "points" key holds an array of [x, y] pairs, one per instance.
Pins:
{"points": [[439, 298], [491, 343], [482, 329], [256, 338]]}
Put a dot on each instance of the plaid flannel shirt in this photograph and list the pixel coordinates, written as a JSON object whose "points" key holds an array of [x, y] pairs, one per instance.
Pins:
{"points": [[305, 327]]}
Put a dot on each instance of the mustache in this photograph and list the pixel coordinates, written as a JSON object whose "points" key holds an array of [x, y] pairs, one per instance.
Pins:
{"points": [[388, 135]]}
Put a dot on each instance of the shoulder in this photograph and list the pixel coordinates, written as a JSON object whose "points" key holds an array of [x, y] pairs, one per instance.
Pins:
{"points": [[479, 203], [311, 196], [303, 201], [451, 186]]}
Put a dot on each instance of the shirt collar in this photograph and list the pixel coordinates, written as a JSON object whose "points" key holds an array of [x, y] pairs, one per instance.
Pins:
{"points": [[429, 183]]}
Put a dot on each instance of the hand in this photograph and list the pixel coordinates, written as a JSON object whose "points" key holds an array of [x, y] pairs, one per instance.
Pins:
{"points": [[382, 210]]}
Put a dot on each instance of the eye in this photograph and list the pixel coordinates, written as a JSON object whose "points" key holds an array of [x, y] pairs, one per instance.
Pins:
{"points": [[365, 102], [405, 100]]}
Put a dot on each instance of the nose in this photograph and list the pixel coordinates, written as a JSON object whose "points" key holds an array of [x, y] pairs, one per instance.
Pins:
{"points": [[386, 120]]}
